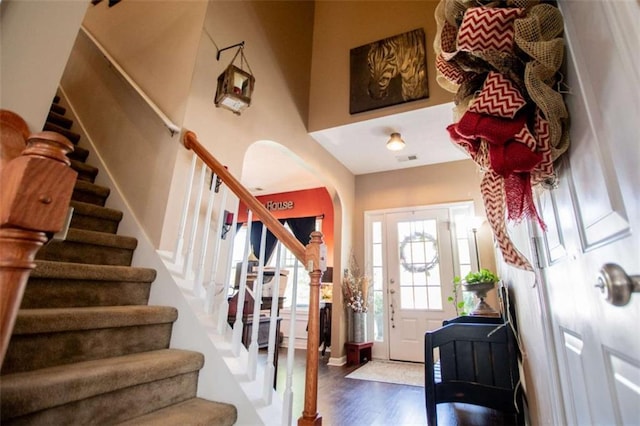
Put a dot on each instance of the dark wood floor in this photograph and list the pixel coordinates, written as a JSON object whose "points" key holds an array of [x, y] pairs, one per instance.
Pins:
{"points": [[353, 402]]}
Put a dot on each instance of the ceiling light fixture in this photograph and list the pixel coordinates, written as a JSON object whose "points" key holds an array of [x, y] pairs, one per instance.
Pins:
{"points": [[395, 142]]}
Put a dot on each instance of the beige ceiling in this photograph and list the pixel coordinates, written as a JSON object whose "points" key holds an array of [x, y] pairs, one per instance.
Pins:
{"points": [[360, 147]]}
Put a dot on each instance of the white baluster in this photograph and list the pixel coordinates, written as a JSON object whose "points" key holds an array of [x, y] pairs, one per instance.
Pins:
{"points": [[185, 209], [237, 325], [188, 264], [223, 306], [212, 288], [257, 302], [287, 405], [198, 288], [273, 323]]}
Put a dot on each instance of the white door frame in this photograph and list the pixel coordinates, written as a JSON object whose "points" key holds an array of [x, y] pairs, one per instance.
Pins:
{"points": [[381, 350]]}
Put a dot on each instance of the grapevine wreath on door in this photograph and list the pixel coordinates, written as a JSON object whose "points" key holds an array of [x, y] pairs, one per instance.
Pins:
{"points": [[501, 59]]}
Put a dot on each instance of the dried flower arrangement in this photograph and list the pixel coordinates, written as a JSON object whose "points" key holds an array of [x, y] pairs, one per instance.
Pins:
{"points": [[355, 287]]}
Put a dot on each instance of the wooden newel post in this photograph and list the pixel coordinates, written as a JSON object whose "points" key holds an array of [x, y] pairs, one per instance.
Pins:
{"points": [[313, 256], [36, 190]]}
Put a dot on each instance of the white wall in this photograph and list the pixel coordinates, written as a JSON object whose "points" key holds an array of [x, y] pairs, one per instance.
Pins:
{"points": [[36, 38]]}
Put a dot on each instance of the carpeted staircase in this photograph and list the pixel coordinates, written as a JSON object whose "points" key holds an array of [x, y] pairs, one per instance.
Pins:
{"points": [[86, 348]]}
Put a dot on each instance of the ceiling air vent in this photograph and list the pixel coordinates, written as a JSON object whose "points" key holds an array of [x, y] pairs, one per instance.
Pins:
{"points": [[403, 158]]}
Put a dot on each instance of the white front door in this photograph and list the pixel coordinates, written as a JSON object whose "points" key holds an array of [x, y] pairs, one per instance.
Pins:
{"points": [[593, 217], [420, 275]]}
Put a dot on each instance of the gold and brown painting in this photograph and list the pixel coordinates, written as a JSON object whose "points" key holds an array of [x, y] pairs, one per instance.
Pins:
{"points": [[388, 72]]}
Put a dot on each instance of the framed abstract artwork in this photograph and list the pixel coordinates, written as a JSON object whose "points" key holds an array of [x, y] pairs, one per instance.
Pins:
{"points": [[388, 72]]}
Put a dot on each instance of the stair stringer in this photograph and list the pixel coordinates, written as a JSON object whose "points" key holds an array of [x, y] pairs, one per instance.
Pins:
{"points": [[223, 378]]}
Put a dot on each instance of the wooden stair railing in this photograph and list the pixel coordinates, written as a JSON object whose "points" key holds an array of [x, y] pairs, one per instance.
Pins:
{"points": [[35, 196], [310, 256]]}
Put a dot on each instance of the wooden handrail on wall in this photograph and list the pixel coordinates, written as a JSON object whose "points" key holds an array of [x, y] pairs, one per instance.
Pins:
{"points": [[36, 191], [310, 256]]}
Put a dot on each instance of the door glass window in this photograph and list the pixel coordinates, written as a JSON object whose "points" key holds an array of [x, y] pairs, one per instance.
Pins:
{"points": [[419, 265], [378, 279]]}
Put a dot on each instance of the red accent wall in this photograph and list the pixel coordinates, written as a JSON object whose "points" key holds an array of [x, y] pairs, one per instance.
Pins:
{"points": [[310, 202]]}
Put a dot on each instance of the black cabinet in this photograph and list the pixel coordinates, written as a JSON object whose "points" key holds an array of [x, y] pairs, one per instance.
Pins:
{"points": [[263, 325], [263, 331], [478, 365]]}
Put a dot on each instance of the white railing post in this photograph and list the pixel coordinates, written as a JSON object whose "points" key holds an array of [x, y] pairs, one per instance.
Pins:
{"points": [[212, 288], [188, 264], [237, 325], [185, 210], [223, 305], [287, 405], [198, 288], [257, 305], [273, 324]]}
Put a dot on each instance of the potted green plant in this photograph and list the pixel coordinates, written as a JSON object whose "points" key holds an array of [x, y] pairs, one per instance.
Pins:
{"points": [[457, 298], [479, 283]]}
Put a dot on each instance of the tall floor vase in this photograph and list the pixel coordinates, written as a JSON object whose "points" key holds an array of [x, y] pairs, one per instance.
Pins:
{"points": [[359, 327]]}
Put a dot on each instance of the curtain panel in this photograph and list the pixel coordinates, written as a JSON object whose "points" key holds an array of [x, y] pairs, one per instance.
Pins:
{"points": [[301, 227]]}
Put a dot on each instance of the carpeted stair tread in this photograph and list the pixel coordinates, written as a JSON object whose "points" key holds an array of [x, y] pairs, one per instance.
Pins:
{"points": [[74, 335], [91, 217], [59, 120], [31, 391], [72, 136], [32, 321], [58, 109], [83, 271], [79, 153], [195, 411], [91, 247], [85, 171], [88, 192], [101, 238], [65, 285], [86, 347]]}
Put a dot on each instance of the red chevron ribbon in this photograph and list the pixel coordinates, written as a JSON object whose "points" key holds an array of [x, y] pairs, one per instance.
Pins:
{"points": [[525, 137], [451, 71], [545, 168], [492, 188], [499, 97], [488, 29], [448, 41]]}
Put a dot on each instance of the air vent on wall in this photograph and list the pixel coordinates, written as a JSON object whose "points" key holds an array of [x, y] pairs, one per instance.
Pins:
{"points": [[403, 158]]}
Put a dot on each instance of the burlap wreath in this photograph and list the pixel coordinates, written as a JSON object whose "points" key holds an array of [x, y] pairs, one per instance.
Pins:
{"points": [[522, 41]]}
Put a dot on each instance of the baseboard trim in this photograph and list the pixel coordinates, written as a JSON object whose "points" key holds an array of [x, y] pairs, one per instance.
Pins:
{"points": [[337, 362]]}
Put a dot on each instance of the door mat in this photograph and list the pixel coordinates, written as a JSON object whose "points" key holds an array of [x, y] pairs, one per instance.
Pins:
{"points": [[401, 373]]}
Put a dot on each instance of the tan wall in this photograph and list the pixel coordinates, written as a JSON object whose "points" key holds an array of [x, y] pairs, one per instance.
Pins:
{"points": [[279, 59], [136, 151], [342, 25], [277, 38], [420, 186], [156, 46], [155, 43]]}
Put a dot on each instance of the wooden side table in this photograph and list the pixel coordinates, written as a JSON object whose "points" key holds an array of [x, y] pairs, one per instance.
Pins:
{"points": [[358, 352]]}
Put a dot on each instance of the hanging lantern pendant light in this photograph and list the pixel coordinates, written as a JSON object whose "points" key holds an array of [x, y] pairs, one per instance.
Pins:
{"points": [[235, 85]]}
